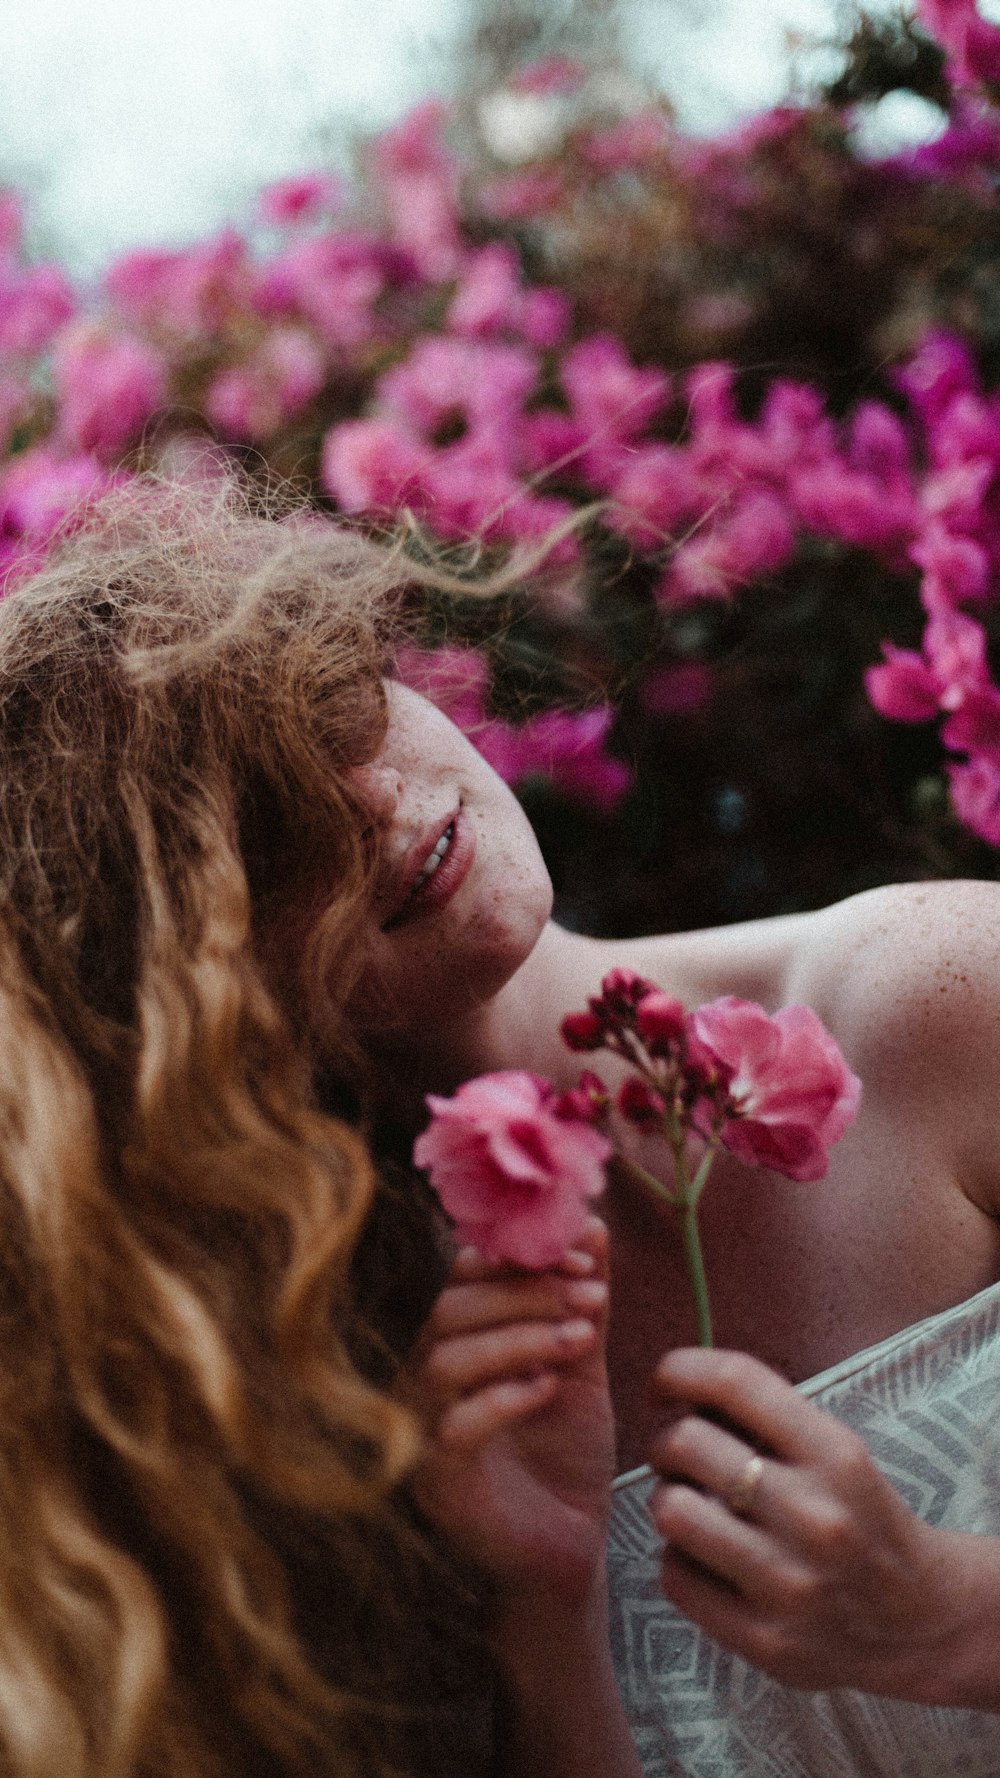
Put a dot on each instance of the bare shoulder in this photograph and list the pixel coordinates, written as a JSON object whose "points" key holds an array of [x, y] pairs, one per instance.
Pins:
{"points": [[908, 979], [930, 951]]}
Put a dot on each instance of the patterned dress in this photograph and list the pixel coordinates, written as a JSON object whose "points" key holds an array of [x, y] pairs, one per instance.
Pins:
{"points": [[927, 1401]]}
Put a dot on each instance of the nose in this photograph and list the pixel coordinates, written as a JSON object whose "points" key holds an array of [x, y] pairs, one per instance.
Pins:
{"points": [[380, 787]]}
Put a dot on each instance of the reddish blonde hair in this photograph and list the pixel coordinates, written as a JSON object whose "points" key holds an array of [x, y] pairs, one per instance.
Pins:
{"points": [[181, 689]]}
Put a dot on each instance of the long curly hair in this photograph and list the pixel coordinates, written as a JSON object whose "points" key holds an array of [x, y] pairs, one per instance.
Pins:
{"points": [[197, 1478]]}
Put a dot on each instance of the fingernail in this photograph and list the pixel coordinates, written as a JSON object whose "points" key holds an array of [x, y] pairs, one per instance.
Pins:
{"points": [[587, 1293], [574, 1332], [577, 1260]]}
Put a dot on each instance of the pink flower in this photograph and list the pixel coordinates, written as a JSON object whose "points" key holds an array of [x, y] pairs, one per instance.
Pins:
{"points": [[330, 280], [39, 490], [566, 747], [513, 1175], [371, 465], [951, 669], [479, 384], [252, 400], [490, 299], [955, 568], [655, 489], [975, 795], [34, 303], [612, 399], [790, 1093], [108, 384], [512, 197], [299, 197], [660, 1021], [195, 291]]}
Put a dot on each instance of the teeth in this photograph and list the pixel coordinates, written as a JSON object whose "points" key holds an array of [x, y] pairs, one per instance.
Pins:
{"points": [[435, 858]]}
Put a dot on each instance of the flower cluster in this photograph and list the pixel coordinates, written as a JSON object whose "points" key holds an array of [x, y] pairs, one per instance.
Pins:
{"points": [[775, 1090], [514, 1163]]}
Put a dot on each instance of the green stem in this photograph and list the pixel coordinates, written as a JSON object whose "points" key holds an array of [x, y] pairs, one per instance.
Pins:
{"points": [[696, 1272]]}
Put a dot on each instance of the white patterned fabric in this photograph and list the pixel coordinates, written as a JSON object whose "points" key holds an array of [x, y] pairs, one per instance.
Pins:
{"points": [[927, 1401]]}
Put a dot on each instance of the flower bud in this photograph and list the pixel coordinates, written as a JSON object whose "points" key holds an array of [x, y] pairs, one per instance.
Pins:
{"points": [[640, 1103], [582, 1031], [621, 992], [589, 1099], [660, 1022]]}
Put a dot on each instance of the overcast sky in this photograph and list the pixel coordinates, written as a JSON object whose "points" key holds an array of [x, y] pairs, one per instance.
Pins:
{"points": [[140, 121]]}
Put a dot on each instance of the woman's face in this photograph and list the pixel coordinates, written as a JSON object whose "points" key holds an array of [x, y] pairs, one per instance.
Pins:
{"points": [[462, 892]]}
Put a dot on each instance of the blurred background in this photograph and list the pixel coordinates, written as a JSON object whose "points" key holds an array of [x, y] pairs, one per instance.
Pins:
{"points": [[129, 121], [689, 313]]}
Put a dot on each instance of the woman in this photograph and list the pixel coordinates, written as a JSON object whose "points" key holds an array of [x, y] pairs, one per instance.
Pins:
{"points": [[211, 1563], [784, 1539], [238, 870]]}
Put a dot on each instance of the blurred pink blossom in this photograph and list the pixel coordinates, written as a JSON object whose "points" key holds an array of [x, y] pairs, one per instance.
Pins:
{"points": [[371, 465], [108, 385], [566, 747], [912, 687], [514, 197], [35, 301], [39, 489], [191, 292], [419, 183], [789, 1093], [491, 299], [656, 488], [955, 568], [513, 1174], [972, 44], [484, 384], [455, 679], [299, 198], [611, 399], [975, 795], [836, 501], [333, 281], [251, 401]]}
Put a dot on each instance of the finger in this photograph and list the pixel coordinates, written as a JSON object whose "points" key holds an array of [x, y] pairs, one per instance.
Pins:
{"points": [[732, 1551], [587, 1256], [722, 1613], [697, 1451], [458, 1366], [471, 1422], [464, 1308], [753, 1397]]}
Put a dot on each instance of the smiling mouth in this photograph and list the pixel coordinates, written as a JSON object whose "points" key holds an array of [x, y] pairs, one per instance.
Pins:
{"points": [[424, 875]]}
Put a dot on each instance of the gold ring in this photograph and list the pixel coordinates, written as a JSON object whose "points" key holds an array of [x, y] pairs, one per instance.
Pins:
{"points": [[742, 1494]]}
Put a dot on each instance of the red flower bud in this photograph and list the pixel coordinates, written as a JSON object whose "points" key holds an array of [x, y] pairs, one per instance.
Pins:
{"points": [[660, 1022], [621, 992], [640, 1103], [582, 1031], [589, 1100]]}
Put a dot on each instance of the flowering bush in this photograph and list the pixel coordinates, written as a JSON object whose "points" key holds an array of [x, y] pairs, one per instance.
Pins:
{"points": [[731, 405]]}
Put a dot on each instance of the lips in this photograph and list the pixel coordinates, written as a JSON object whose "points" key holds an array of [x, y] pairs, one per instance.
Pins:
{"points": [[417, 891]]}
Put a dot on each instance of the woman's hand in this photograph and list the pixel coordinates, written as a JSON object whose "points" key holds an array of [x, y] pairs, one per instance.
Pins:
{"points": [[786, 1543], [510, 1379]]}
